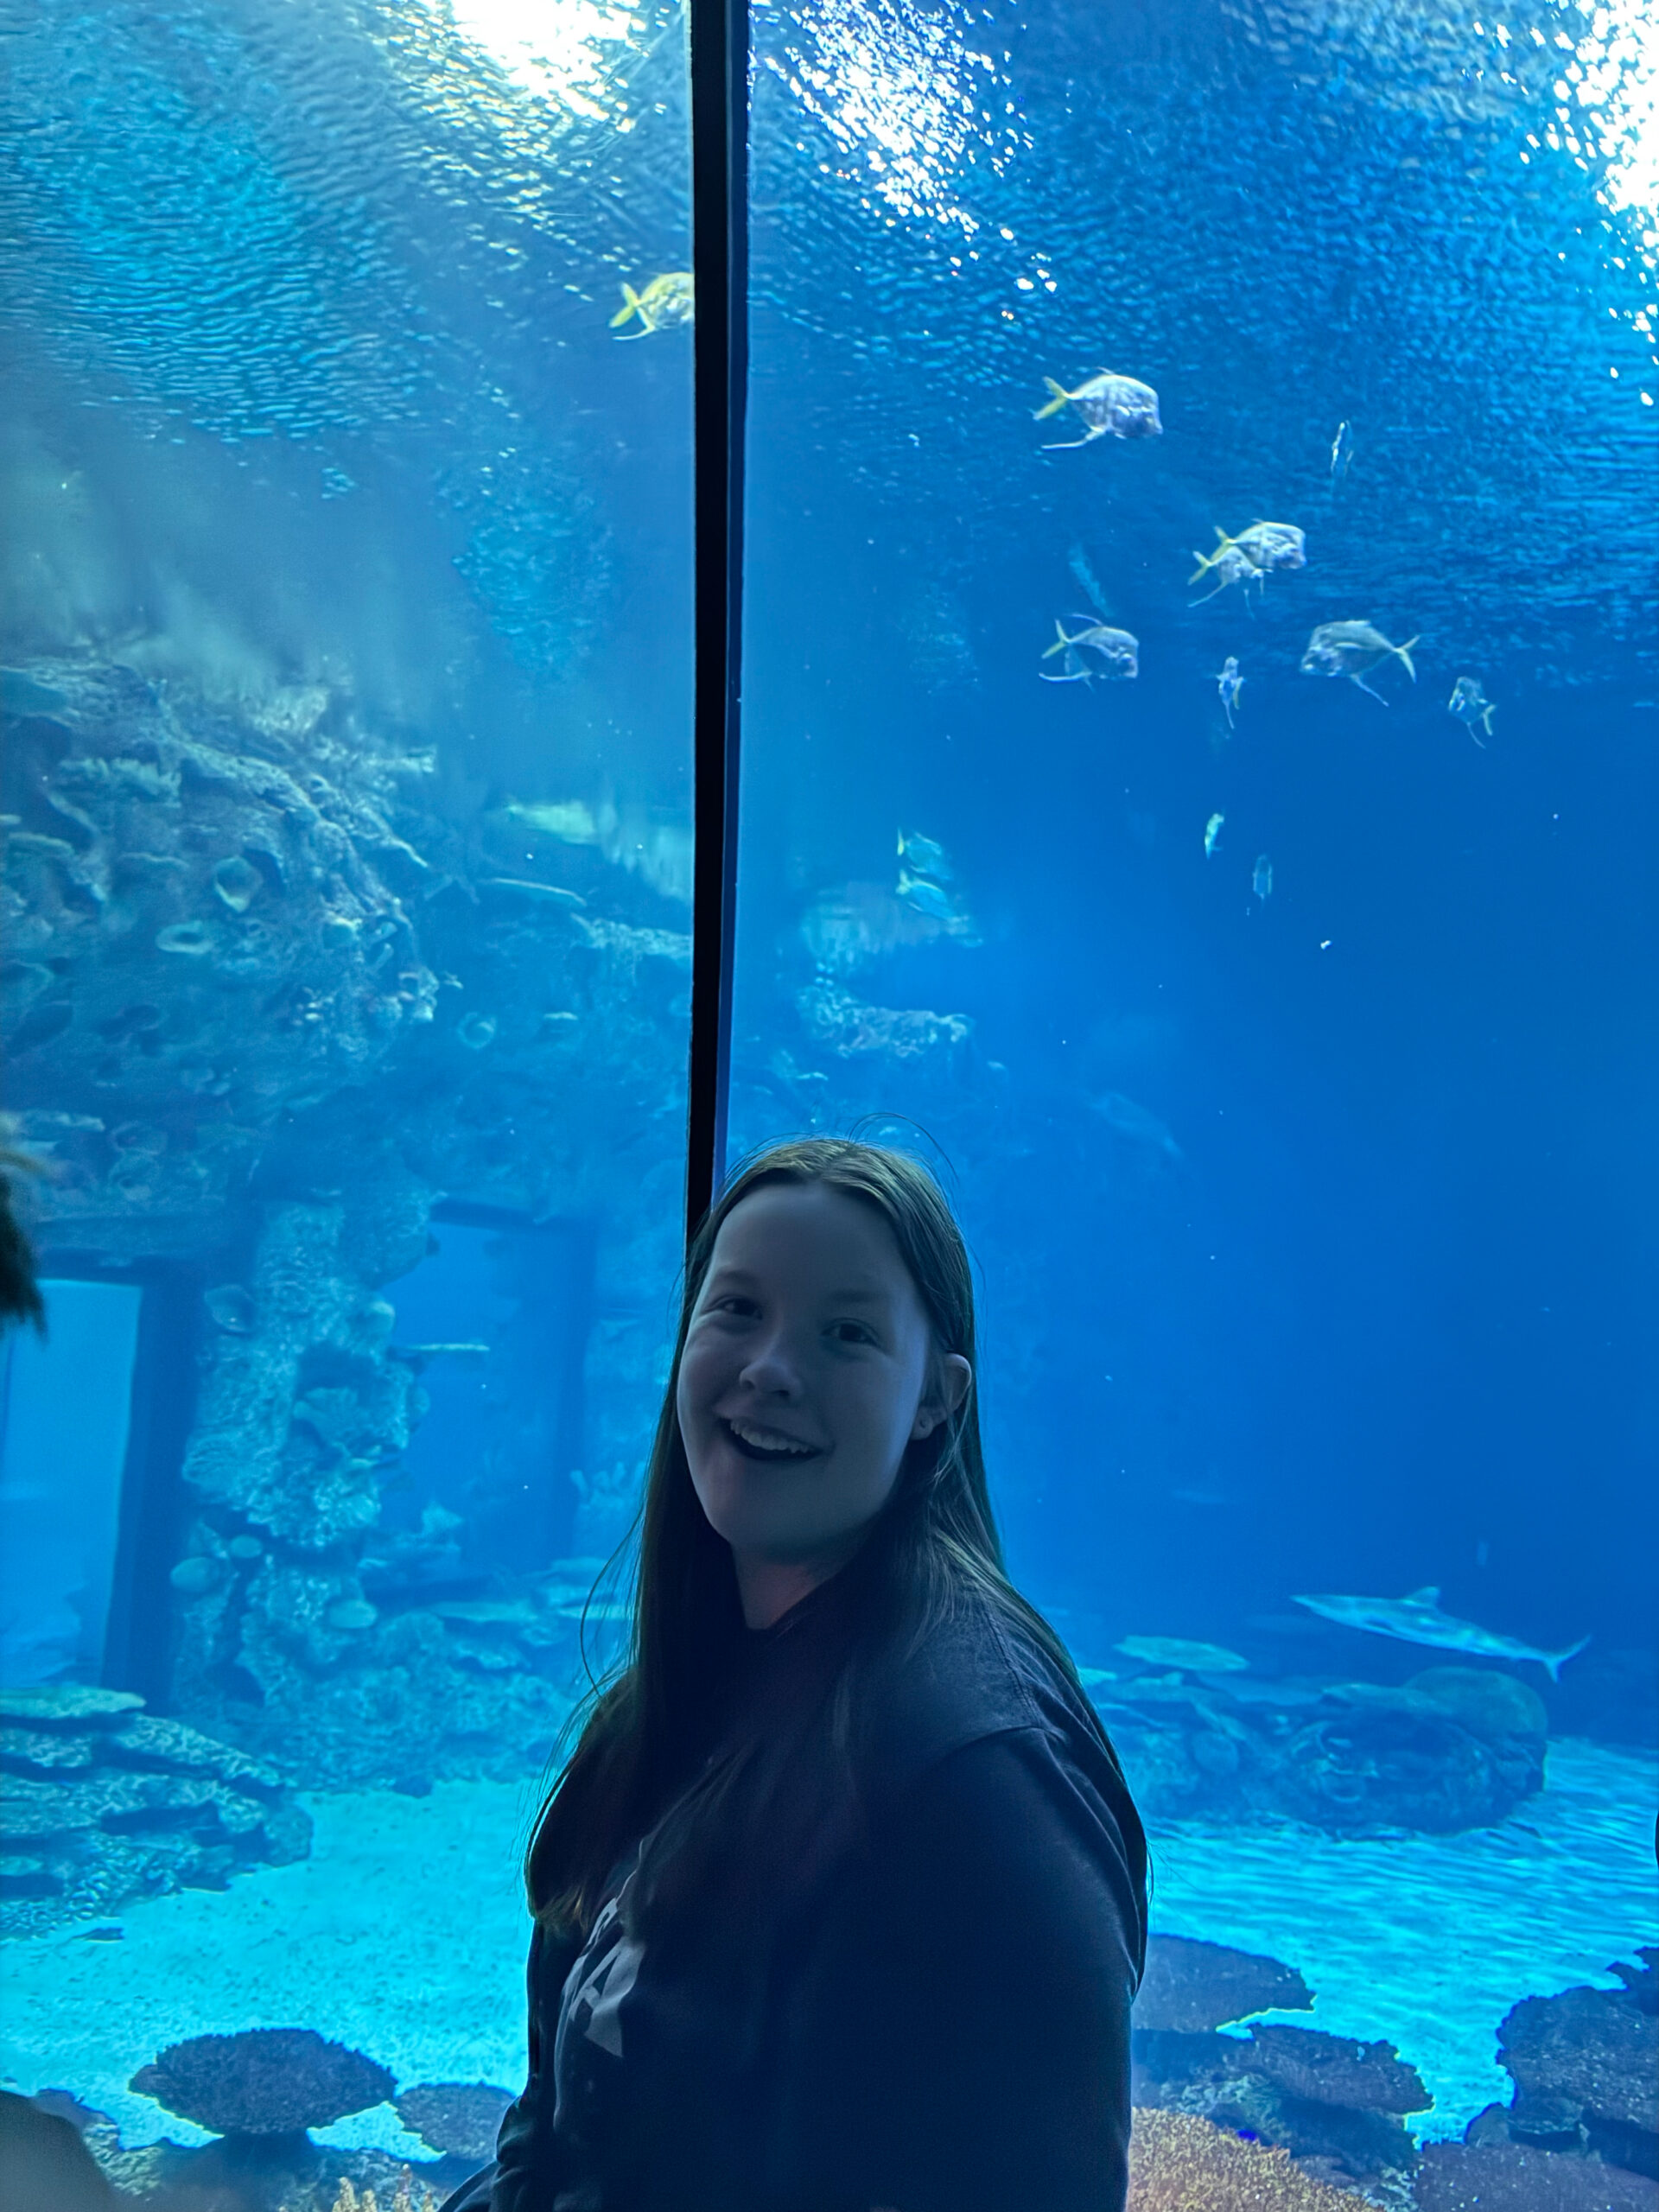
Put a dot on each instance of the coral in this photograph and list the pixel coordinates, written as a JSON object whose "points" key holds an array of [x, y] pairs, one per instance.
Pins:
{"points": [[404, 2196], [847, 1025], [264, 2081], [1189, 1986], [226, 924], [1330, 2102], [104, 1803], [1179, 2163], [459, 2118]]}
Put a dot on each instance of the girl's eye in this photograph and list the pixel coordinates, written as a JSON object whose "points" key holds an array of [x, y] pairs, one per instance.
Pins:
{"points": [[732, 1303], [852, 1333]]}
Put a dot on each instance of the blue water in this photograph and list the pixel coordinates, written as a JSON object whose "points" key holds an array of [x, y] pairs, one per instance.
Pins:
{"points": [[1307, 1175]]}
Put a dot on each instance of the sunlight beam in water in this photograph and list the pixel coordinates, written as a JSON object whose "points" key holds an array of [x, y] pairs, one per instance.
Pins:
{"points": [[1614, 77], [563, 51], [906, 97]]}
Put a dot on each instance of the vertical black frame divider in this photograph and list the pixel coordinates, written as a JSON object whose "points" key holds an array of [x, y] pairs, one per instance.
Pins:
{"points": [[720, 220]]}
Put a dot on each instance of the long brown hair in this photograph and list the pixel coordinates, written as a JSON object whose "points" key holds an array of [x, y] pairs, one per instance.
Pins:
{"points": [[650, 1729]]}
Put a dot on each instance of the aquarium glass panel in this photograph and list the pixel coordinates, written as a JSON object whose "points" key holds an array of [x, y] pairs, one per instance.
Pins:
{"points": [[1198, 779], [347, 673]]}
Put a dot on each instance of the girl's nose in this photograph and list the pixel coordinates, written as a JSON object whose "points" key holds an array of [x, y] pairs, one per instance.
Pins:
{"points": [[770, 1370]]}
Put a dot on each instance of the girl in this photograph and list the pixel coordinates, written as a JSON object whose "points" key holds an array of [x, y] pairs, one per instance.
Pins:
{"points": [[840, 1902]]}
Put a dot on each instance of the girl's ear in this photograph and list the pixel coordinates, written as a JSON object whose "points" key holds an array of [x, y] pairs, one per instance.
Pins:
{"points": [[948, 1385]]}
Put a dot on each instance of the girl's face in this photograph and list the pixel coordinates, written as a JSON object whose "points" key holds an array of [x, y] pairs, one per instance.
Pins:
{"points": [[808, 1367]]}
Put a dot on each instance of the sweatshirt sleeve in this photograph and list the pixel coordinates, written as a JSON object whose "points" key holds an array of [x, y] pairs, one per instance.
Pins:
{"points": [[523, 2175], [1016, 1910]]}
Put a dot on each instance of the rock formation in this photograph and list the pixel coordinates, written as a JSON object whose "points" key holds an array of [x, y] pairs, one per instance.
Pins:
{"points": [[1456, 1748], [105, 1804]]}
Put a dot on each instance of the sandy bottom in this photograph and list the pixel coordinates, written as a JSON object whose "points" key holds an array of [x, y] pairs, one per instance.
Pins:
{"points": [[403, 1935]]}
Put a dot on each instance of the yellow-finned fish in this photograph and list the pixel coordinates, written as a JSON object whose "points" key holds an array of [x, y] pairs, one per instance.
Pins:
{"points": [[668, 303], [1251, 556], [1110, 405]]}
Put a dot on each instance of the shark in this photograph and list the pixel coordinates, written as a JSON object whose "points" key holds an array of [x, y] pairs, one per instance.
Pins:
{"points": [[1417, 1619]]}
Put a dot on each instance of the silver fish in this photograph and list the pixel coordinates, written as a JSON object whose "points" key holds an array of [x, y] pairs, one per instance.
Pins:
{"points": [[1471, 705], [927, 898], [1212, 832], [1135, 1122], [1353, 649], [1229, 684], [1342, 451], [1110, 405], [1251, 556], [1261, 878], [1417, 1619], [923, 855], [1120, 652], [1179, 1651]]}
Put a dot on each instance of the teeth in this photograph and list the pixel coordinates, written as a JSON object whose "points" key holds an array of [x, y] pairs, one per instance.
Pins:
{"points": [[768, 1439]]}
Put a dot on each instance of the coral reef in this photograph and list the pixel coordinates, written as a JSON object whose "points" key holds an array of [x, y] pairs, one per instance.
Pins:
{"points": [[104, 1804], [460, 2119], [407, 2196], [849, 1026], [1447, 1751], [1586, 2068], [270, 994], [264, 2081], [1332, 2104], [1179, 2163]]}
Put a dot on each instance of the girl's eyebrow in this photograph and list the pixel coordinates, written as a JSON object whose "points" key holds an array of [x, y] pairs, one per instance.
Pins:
{"points": [[857, 1295]]}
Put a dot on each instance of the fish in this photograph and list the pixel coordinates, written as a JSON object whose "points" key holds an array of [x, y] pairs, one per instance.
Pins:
{"points": [[1073, 668], [1229, 684], [1417, 1619], [926, 896], [1110, 405], [668, 303], [1251, 556], [925, 855], [1176, 1651], [1342, 451], [1089, 1675], [1261, 878], [1353, 649], [571, 820], [1119, 651], [1135, 1122], [1212, 832], [1471, 705]]}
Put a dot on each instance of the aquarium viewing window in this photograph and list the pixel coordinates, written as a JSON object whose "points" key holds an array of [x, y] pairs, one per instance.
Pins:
{"points": [[1065, 586]]}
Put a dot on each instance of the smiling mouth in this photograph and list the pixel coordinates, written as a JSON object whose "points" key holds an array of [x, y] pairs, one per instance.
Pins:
{"points": [[770, 1446]]}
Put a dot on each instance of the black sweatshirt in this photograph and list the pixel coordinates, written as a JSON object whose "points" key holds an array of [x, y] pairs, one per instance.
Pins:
{"points": [[937, 2022]]}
